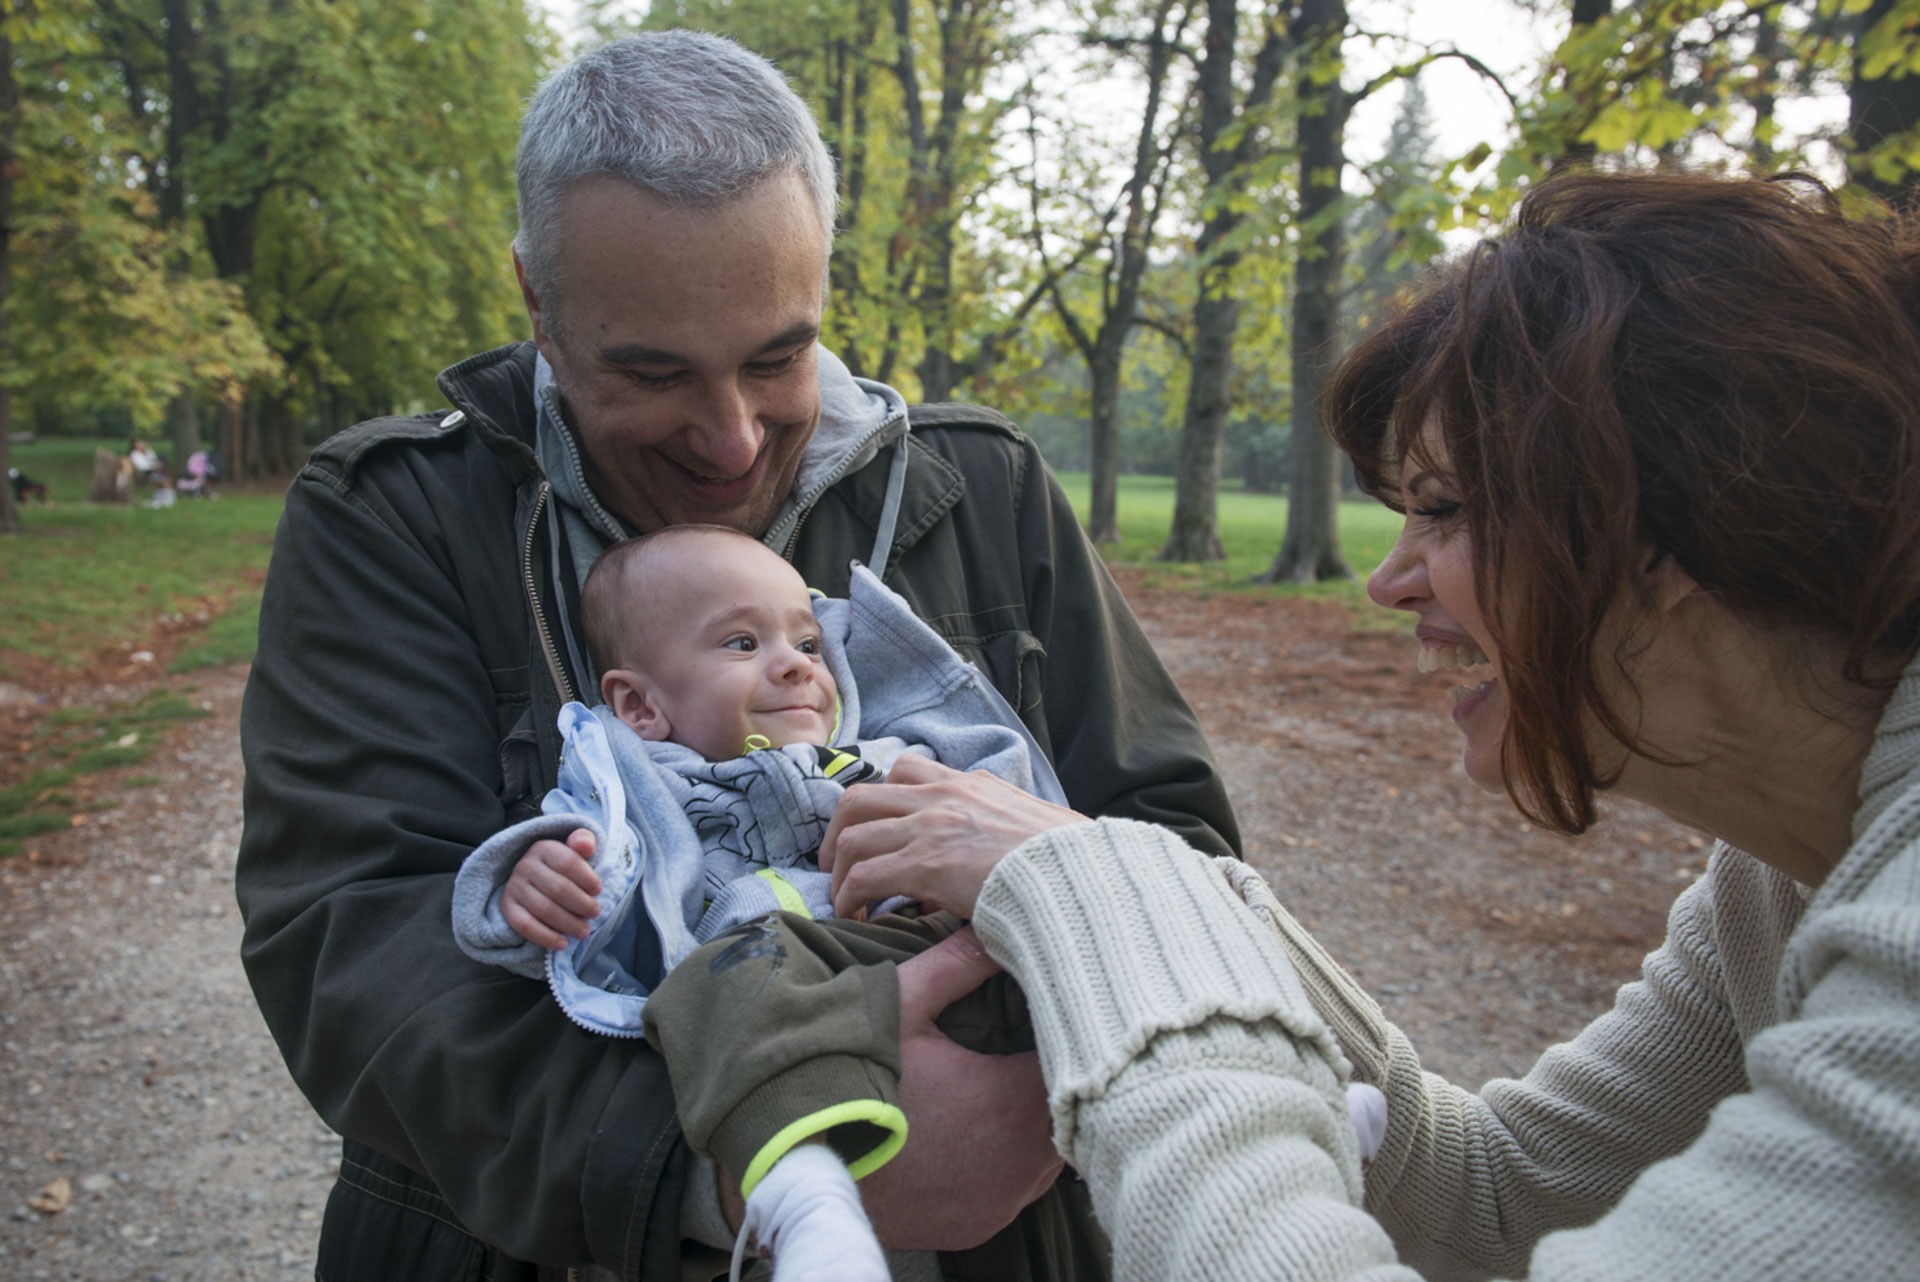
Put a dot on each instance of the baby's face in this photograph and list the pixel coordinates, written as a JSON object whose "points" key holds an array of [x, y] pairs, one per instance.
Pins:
{"points": [[736, 652]]}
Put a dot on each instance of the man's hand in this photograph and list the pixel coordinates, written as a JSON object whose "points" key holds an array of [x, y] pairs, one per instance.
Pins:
{"points": [[930, 833], [551, 894], [979, 1137]]}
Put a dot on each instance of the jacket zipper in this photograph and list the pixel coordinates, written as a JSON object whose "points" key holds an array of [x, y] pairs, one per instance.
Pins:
{"points": [[838, 474], [554, 668]]}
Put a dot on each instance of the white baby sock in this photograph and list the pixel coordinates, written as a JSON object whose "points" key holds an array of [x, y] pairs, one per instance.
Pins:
{"points": [[1368, 1108], [807, 1213]]}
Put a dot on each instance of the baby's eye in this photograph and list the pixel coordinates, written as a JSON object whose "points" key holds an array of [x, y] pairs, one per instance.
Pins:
{"points": [[743, 643], [809, 646]]}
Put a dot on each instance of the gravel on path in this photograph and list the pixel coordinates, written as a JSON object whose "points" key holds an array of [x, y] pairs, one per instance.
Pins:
{"points": [[135, 1071]]}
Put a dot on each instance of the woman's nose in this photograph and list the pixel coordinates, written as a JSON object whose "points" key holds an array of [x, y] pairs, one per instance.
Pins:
{"points": [[1400, 581]]}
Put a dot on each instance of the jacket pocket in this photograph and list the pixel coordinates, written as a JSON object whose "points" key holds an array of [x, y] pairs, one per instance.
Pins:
{"points": [[519, 761], [384, 1223], [1013, 660]]}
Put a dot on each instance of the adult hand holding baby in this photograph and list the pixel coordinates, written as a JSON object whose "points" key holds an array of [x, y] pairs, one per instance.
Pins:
{"points": [[929, 832]]}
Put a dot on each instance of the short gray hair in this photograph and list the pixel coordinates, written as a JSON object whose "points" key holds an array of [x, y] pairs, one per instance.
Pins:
{"points": [[694, 119]]}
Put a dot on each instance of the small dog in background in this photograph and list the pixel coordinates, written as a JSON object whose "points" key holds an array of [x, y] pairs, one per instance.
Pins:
{"points": [[25, 486]]}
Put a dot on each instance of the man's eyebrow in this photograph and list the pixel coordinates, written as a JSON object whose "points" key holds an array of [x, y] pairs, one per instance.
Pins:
{"points": [[640, 354], [792, 336], [646, 354]]}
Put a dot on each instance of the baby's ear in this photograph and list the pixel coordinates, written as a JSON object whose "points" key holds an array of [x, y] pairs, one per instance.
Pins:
{"points": [[631, 699]]}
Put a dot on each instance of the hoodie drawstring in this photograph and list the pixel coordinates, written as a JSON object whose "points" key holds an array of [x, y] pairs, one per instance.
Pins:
{"points": [[890, 510]]}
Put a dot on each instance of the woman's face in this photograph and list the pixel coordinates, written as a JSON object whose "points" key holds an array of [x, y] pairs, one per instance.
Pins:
{"points": [[1430, 573]]}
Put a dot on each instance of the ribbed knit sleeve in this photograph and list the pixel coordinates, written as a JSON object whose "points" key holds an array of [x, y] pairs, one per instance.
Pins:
{"points": [[1122, 932], [1182, 1021], [1192, 1085]]}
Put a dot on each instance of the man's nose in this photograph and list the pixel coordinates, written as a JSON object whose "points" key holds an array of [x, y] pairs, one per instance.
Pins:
{"points": [[727, 438], [1400, 581]]}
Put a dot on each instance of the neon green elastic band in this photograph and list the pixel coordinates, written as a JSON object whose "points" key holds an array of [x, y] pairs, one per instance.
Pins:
{"points": [[790, 899], [841, 760], [877, 1112]]}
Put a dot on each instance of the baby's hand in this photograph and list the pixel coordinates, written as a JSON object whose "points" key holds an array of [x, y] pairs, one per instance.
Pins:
{"points": [[551, 895]]}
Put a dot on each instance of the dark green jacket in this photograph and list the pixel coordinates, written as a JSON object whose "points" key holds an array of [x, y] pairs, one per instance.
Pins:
{"points": [[402, 708]]}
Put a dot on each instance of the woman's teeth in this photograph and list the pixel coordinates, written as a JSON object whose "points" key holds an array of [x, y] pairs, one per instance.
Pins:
{"points": [[1461, 692], [1435, 657]]}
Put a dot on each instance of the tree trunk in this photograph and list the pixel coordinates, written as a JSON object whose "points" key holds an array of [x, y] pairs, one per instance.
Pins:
{"points": [[230, 445], [1195, 535], [183, 428], [9, 105], [1766, 57], [279, 436], [250, 452], [1310, 551], [1881, 108], [112, 478], [1105, 349], [1103, 448]]}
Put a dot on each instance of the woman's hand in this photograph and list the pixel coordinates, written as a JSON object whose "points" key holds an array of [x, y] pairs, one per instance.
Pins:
{"points": [[929, 832]]}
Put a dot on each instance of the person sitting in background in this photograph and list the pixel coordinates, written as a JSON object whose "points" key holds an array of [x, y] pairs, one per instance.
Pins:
{"points": [[145, 463], [1658, 451]]}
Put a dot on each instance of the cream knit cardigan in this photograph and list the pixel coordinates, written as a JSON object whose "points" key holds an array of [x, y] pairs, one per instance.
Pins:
{"points": [[1749, 1109]]}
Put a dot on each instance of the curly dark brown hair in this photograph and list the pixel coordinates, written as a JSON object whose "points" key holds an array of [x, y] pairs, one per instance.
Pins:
{"points": [[1721, 371]]}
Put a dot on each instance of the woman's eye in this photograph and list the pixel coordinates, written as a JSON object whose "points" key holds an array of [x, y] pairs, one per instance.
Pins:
{"points": [[1437, 510], [744, 644]]}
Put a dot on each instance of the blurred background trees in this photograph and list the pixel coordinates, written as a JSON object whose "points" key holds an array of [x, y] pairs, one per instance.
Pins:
{"points": [[1145, 228]]}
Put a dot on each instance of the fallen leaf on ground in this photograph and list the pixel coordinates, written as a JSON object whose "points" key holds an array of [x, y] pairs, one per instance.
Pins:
{"points": [[54, 1198]]}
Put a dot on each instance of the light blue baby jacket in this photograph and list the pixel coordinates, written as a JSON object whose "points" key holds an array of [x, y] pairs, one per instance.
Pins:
{"points": [[663, 890]]}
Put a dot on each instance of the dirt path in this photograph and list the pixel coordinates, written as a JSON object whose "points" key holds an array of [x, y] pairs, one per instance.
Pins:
{"points": [[134, 1066]]}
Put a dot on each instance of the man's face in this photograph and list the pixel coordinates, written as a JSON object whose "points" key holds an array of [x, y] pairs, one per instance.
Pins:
{"points": [[732, 649], [685, 348]]}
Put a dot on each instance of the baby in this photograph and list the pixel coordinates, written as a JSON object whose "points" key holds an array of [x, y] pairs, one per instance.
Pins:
{"points": [[727, 732]]}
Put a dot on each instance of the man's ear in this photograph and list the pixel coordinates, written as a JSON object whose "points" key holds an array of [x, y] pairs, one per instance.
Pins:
{"points": [[632, 700], [535, 312]]}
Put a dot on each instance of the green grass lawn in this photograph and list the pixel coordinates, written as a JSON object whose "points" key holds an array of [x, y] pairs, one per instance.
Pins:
{"points": [[83, 577], [1251, 526]]}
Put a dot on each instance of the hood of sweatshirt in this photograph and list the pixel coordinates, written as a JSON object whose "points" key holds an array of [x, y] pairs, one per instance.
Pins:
{"points": [[858, 417]]}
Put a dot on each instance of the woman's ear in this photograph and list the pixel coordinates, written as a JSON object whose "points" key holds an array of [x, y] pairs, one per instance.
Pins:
{"points": [[632, 700], [1669, 585]]}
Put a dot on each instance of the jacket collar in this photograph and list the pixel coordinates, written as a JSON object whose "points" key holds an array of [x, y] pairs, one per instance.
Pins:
{"points": [[503, 393]]}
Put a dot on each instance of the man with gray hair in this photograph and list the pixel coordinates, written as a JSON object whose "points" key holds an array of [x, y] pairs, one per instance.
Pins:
{"points": [[419, 634]]}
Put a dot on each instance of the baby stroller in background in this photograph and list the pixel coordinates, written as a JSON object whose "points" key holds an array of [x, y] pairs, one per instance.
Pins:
{"points": [[197, 477]]}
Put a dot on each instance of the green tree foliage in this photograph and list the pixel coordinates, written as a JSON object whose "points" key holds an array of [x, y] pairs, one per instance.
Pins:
{"points": [[1701, 82], [912, 101], [290, 206]]}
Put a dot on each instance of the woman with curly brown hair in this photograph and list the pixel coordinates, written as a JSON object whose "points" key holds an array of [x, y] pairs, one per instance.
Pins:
{"points": [[1658, 451]]}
